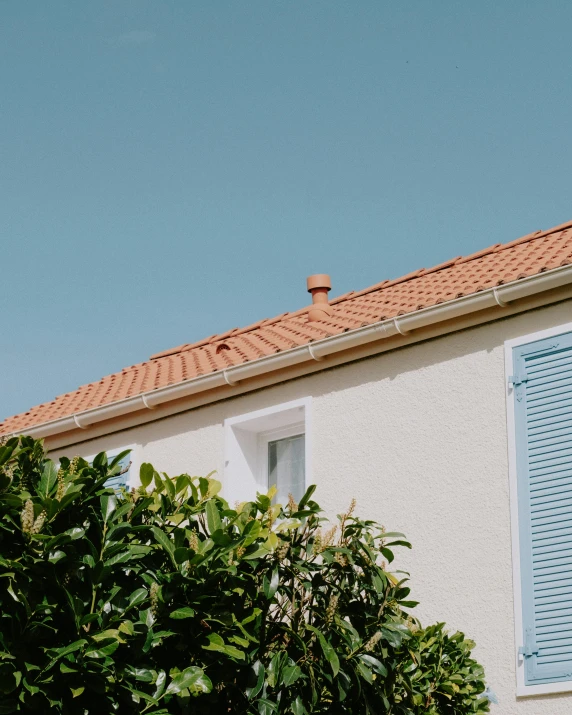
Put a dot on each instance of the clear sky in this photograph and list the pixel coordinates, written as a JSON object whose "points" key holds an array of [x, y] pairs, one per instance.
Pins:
{"points": [[169, 170]]}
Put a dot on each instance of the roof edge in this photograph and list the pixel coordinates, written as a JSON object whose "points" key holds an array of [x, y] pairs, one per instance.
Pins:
{"points": [[499, 296]]}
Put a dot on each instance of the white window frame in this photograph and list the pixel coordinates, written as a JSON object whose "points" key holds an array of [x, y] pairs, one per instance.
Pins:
{"points": [[264, 440], [522, 690], [246, 439]]}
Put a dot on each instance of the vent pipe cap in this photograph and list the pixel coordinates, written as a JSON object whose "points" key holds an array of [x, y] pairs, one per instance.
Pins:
{"points": [[319, 285], [319, 281]]}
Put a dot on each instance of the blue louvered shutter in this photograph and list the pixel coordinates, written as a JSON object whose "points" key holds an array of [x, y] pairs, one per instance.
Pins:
{"points": [[543, 414], [122, 478]]}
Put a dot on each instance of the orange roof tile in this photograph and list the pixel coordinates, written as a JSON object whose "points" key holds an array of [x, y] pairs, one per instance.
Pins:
{"points": [[501, 263]]}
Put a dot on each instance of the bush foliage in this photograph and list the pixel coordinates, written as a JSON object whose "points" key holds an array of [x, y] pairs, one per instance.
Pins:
{"points": [[166, 600]]}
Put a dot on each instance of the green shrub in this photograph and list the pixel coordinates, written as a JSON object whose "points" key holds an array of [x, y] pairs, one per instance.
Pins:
{"points": [[165, 600]]}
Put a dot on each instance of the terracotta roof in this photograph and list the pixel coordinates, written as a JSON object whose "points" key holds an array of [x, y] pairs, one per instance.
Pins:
{"points": [[501, 263]]}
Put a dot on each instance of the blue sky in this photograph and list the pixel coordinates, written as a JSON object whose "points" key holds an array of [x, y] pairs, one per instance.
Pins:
{"points": [[169, 170]]}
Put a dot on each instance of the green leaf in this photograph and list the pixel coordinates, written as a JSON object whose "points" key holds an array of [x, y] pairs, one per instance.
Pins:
{"points": [[100, 461], [306, 498], [270, 587], [136, 696], [108, 505], [5, 453], [55, 556], [146, 473], [162, 538], [290, 674], [214, 487], [365, 672], [180, 613], [9, 678], [192, 678], [169, 486], [213, 517], [273, 670], [75, 533], [160, 684], [217, 643], [159, 486], [117, 460], [56, 653], [257, 679], [298, 707], [5, 480], [144, 675], [374, 663], [137, 597], [183, 554], [266, 707], [328, 651], [127, 628], [102, 648], [48, 479]]}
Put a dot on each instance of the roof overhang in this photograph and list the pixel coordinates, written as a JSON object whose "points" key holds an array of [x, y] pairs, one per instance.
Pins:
{"points": [[484, 306]]}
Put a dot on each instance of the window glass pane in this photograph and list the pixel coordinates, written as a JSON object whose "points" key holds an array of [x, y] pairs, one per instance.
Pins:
{"points": [[286, 467]]}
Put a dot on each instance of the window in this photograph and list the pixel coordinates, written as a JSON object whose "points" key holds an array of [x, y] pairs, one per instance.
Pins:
{"points": [[286, 467], [124, 478], [268, 448], [540, 428]]}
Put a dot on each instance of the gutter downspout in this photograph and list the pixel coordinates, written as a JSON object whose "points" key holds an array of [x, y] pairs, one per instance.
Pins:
{"points": [[499, 296]]}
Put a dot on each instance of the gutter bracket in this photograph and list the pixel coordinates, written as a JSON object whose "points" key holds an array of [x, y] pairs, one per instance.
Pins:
{"points": [[147, 405], [500, 302], [312, 353], [227, 379], [78, 423], [398, 328]]}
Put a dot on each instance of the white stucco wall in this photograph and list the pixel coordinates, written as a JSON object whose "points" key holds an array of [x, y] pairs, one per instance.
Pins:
{"points": [[418, 436]]}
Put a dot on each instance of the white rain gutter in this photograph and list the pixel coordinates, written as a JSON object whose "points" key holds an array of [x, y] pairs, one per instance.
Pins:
{"points": [[500, 296]]}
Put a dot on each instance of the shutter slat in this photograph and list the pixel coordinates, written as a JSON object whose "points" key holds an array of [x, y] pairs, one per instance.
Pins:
{"points": [[544, 360], [539, 545], [548, 386], [554, 595], [555, 626], [547, 582], [541, 537], [548, 528], [548, 464], [552, 486], [556, 566], [543, 506], [554, 437], [547, 417], [543, 412], [554, 367], [551, 475], [555, 402], [548, 444], [552, 425]]}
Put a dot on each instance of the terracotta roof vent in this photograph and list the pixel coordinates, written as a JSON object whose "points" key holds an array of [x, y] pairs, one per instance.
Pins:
{"points": [[319, 285]]}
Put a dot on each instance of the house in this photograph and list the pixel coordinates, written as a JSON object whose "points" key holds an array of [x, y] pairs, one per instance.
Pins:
{"points": [[441, 401]]}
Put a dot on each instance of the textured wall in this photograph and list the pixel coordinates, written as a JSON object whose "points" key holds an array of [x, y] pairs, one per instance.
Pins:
{"points": [[418, 437]]}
